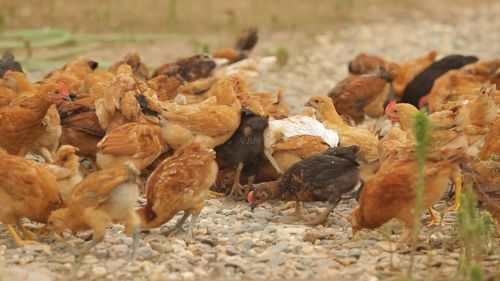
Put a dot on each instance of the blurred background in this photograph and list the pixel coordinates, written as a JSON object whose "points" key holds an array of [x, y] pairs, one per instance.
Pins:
{"points": [[45, 34]]}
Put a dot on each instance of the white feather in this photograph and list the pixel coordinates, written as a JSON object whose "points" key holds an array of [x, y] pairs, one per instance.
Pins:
{"points": [[298, 126]]}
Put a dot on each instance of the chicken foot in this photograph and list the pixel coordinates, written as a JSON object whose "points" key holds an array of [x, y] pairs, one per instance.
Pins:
{"points": [[435, 217], [297, 215], [236, 189], [323, 217], [19, 241], [178, 226]]}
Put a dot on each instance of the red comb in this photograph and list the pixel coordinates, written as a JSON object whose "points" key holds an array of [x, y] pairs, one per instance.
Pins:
{"points": [[390, 106], [250, 197], [422, 102], [62, 88]]}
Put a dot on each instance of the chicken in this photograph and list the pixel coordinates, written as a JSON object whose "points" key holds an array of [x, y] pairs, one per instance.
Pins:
{"points": [[27, 190], [295, 138], [244, 149], [189, 69], [391, 193], [244, 45], [48, 143], [79, 68], [165, 86], [180, 183], [422, 84], [364, 64], [133, 59], [211, 122], [8, 62], [451, 89], [80, 127], [491, 145], [265, 104], [444, 135], [21, 123], [66, 168], [12, 85], [324, 177], [356, 96], [136, 143], [408, 70], [102, 198], [487, 186], [478, 115], [367, 141]]}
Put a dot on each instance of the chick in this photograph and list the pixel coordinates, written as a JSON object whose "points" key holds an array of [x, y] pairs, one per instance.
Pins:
{"points": [[66, 168], [102, 198], [180, 183], [325, 177], [244, 149]]}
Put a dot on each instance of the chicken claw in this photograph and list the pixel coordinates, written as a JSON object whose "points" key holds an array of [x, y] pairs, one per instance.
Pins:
{"points": [[213, 194], [321, 218], [19, 241], [178, 226], [435, 217]]}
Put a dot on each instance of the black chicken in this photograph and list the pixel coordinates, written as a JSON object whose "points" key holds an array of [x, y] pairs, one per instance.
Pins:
{"points": [[8, 62], [422, 84], [244, 149], [324, 177]]}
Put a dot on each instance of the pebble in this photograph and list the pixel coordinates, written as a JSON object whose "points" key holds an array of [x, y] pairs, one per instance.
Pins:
{"points": [[99, 271]]}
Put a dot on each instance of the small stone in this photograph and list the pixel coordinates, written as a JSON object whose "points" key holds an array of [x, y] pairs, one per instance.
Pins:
{"points": [[99, 270]]}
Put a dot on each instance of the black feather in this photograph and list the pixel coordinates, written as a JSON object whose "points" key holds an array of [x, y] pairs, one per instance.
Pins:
{"points": [[422, 84], [8, 62]]}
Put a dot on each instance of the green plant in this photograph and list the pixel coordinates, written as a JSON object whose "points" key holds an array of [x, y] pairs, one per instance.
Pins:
{"points": [[200, 47], [475, 230], [282, 56], [421, 130], [495, 157]]}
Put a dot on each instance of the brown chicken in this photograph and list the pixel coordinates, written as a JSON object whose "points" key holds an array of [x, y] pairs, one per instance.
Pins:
{"points": [[48, 143], [366, 140], [356, 96], [180, 183], [487, 186], [27, 190], [118, 104], [189, 69], [491, 145], [391, 193], [22, 123], [452, 89], [364, 64], [265, 104], [133, 59], [133, 142], [211, 122], [244, 45], [66, 168], [102, 198], [165, 86], [445, 134]]}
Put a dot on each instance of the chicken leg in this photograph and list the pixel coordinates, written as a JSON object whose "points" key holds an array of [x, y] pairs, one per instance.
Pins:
{"points": [[19, 241], [435, 217], [178, 226], [458, 182], [236, 190], [269, 156], [296, 216]]}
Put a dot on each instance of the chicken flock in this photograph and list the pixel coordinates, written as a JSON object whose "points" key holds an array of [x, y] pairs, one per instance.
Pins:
{"points": [[81, 146]]}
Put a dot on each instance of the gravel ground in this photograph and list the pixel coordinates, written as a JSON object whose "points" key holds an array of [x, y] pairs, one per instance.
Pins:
{"points": [[233, 243]]}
